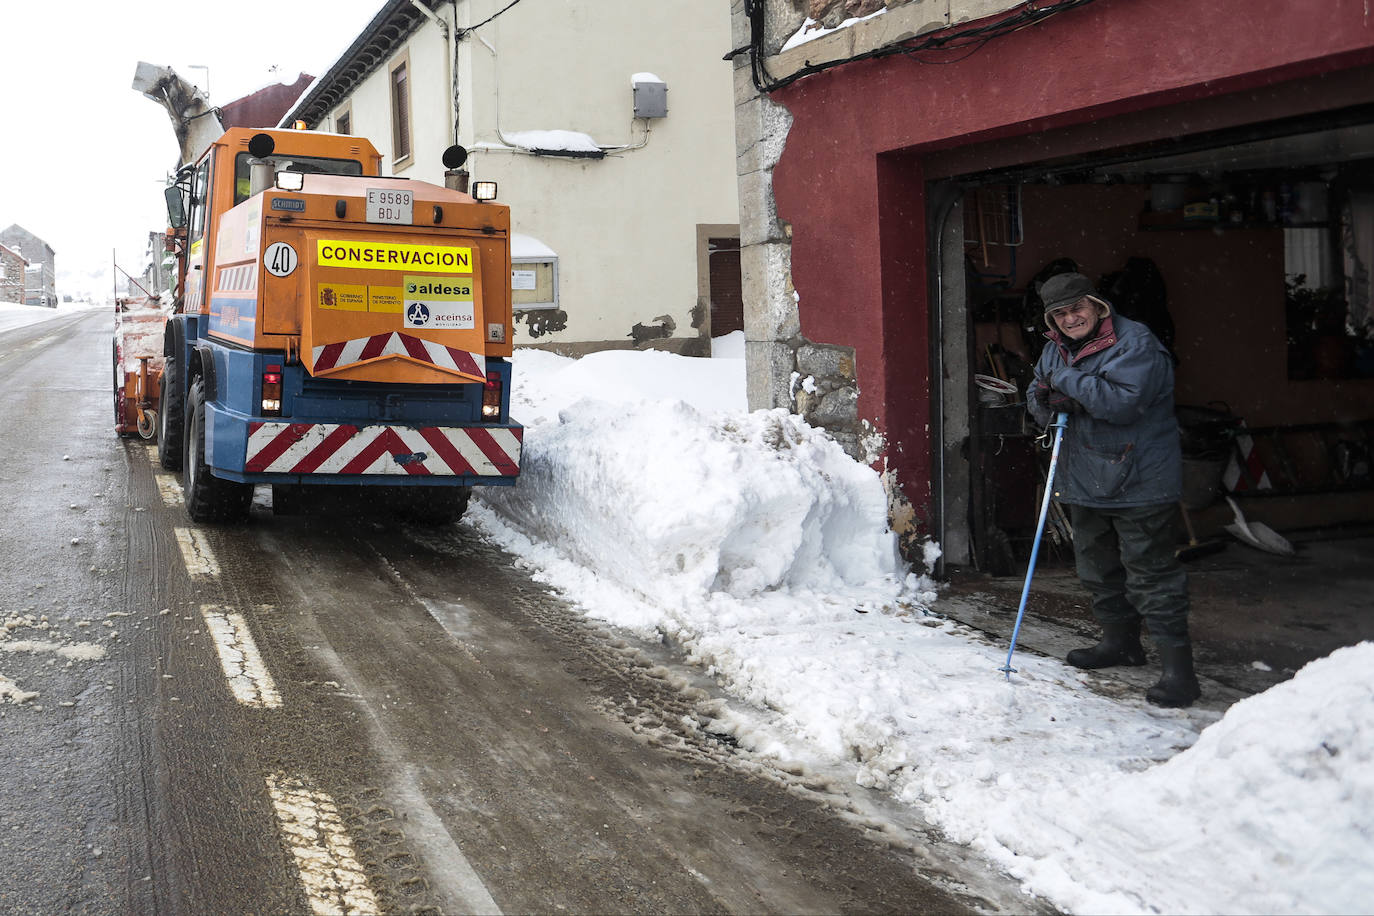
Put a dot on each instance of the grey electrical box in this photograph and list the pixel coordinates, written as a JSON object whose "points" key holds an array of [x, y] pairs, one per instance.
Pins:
{"points": [[651, 97]]}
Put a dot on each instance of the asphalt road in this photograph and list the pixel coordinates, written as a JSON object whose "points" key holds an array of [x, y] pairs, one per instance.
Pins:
{"points": [[313, 714]]}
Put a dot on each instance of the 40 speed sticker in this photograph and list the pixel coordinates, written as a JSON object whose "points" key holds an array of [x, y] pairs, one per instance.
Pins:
{"points": [[280, 259], [440, 303]]}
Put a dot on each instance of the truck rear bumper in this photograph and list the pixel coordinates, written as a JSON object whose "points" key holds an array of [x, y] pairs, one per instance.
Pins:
{"points": [[285, 452]]}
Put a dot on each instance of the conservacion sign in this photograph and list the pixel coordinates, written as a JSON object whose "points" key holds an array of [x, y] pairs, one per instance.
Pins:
{"points": [[390, 256]]}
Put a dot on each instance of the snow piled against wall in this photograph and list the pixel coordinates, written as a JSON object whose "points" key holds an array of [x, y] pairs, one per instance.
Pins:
{"points": [[666, 500]]}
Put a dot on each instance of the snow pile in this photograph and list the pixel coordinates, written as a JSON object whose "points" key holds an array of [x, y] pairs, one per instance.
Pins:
{"points": [[811, 30], [567, 141], [653, 499], [139, 328], [1271, 811], [670, 502]]}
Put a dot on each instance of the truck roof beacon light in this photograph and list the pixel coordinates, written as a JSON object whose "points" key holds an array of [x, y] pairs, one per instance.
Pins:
{"points": [[484, 190]]}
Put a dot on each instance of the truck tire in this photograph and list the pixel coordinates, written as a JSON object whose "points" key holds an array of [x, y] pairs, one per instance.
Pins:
{"points": [[208, 498], [171, 417]]}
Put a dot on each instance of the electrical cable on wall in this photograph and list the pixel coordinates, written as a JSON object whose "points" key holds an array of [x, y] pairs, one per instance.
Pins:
{"points": [[474, 28], [971, 38]]}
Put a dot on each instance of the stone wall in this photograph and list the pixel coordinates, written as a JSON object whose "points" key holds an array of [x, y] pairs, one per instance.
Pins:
{"points": [[810, 378], [830, 13], [11, 276]]}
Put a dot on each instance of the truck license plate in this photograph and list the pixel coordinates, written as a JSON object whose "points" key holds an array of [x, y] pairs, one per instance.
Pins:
{"points": [[387, 206]]}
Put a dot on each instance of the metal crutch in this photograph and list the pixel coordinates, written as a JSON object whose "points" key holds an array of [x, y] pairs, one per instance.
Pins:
{"points": [[1061, 420]]}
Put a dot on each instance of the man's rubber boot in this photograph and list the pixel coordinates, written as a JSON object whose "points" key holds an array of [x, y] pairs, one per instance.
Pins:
{"points": [[1120, 645], [1177, 685]]}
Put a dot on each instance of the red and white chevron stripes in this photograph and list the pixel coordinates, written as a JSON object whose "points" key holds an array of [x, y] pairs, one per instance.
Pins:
{"points": [[333, 448], [394, 343]]}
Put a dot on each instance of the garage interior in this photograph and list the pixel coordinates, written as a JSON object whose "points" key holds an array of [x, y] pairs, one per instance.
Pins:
{"points": [[1250, 251]]}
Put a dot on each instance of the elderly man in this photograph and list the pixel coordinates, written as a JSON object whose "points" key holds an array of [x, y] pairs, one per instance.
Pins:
{"points": [[1120, 474]]}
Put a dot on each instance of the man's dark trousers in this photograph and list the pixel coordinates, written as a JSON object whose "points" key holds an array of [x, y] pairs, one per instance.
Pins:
{"points": [[1126, 559]]}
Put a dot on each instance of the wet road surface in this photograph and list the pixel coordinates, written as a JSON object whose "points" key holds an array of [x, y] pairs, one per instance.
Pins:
{"points": [[327, 715]]}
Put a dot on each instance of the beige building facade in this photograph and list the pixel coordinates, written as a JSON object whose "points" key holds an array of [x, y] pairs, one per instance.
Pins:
{"points": [[609, 128]]}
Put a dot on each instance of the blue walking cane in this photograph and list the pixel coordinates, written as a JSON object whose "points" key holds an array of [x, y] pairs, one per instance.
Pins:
{"points": [[1061, 420]]}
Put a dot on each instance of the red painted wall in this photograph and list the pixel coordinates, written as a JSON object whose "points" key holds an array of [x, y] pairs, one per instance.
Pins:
{"points": [[850, 181]]}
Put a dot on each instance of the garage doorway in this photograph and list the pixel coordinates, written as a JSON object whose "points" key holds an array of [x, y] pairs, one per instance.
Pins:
{"points": [[1249, 250]]}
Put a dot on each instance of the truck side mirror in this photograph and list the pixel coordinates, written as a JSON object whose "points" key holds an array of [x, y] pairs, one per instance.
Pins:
{"points": [[176, 211]]}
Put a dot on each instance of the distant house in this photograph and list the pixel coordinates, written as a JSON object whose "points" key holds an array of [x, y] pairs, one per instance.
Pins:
{"points": [[40, 276], [265, 107], [12, 265], [609, 128]]}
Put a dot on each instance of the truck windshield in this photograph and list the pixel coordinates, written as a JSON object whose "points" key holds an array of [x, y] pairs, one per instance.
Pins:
{"points": [[310, 165]]}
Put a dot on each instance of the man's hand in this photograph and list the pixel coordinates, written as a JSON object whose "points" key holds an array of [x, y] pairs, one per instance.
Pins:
{"points": [[1054, 401], [1058, 401]]}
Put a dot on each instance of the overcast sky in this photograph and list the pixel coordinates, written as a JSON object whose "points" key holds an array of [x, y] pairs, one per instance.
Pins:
{"points": [[83, 157]]}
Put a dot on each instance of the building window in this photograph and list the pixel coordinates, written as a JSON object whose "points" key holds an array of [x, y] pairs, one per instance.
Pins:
{"points": [[400, 110], [343, 123]]}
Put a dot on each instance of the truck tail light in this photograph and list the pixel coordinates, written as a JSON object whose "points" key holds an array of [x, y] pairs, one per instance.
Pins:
{"points": [[491, 397], [271, 391]]}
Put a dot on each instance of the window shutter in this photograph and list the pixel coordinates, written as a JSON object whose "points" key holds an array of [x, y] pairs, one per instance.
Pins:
{"points": [[400, 107]]}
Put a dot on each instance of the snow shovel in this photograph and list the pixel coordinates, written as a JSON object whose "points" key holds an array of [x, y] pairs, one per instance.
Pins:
{"points": [[1061, 420], [1258, 535]]}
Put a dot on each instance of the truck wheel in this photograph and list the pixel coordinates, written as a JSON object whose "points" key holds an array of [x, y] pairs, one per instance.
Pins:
{"points": [[171, 417], [435, 505], [208, 498]]}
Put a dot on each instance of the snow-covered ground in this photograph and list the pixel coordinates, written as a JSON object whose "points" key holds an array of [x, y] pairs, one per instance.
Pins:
{"points": [[14, 316], [658, 503]]}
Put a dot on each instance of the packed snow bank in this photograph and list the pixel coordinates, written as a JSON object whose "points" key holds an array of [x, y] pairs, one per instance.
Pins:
{"points": [[656, 502], [1271, 811], [13, 315], [668, 502]]}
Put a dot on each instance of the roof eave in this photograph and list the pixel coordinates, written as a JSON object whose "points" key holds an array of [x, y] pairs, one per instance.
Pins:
{"points": [[394, 23]]}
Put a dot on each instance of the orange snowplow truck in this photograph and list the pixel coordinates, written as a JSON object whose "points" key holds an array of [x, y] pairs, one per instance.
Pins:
{"points": [[334, 328]]}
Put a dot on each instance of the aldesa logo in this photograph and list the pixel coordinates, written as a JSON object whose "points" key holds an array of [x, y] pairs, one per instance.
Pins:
{"points": [[388, 256], [439, 290]]}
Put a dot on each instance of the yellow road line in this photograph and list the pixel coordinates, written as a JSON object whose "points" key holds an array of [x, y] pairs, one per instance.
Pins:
{"points": [[248, 676], [333, 879]]}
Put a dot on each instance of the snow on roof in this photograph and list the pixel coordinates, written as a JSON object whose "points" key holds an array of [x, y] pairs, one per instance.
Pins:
{"points": [[644, 78], [527, 246], [552, 141], [811, 30]]}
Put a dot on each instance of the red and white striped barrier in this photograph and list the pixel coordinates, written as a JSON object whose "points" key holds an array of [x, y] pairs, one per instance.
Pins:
{"points": [[1253, 475], [394, 343], [334, 448]]}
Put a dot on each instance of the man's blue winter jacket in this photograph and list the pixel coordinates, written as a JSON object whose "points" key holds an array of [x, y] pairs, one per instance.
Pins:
{"points": [[1123, 448]]}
